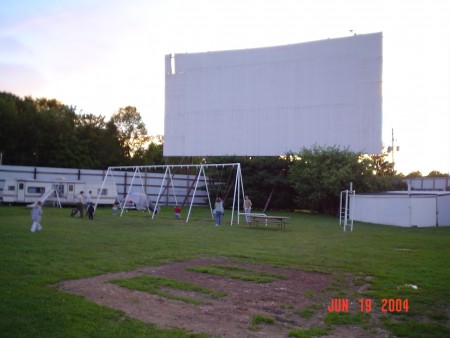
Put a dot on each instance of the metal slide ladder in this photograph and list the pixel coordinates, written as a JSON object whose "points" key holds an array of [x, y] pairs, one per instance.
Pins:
{"points": [[345, 212], [46, 196]]}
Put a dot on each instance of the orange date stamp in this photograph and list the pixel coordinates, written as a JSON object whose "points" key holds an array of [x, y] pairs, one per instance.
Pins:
{"points": [[366, 305]]}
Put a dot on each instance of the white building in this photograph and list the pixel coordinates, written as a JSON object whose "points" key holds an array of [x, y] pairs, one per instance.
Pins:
{"points": [[403, 208]]}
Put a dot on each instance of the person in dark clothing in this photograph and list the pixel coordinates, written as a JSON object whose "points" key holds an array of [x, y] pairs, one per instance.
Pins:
{"points": [[90, 211]]}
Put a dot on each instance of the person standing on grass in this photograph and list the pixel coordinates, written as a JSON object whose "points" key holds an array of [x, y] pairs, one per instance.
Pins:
{"points": [[90, 211], [115, 206], [88, 199], [247, 208], [36, 214], [218, 210], [80, 203], [177, 211]]}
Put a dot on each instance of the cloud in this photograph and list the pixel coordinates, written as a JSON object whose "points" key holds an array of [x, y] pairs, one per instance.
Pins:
{"points": [[12, 49], [20, 79]]}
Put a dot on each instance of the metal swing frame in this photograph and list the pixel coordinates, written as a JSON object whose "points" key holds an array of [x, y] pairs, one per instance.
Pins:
{"points": [[238, 186]]}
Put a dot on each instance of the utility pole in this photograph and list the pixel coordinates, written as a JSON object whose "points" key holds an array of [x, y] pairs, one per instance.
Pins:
{"points": [[392, 148]]}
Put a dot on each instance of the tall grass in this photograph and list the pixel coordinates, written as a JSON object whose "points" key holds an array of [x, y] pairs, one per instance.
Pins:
{"points": [[73, 248]]}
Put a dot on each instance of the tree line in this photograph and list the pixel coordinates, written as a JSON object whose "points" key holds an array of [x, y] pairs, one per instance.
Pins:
{"points": [[46, 132], [311, 179], [43, 132]]}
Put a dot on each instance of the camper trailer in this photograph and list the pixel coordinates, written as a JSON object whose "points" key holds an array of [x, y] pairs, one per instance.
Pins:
{"points": [[64, 192]]}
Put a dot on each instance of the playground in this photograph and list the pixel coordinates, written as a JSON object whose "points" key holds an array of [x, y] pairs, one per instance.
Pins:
{"points": [[141, 274], [136, 276]]}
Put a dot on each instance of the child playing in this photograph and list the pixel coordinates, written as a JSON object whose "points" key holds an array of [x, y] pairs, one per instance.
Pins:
{"points": [[36, 214], [90, 211], [115, 206], [177, 211]]}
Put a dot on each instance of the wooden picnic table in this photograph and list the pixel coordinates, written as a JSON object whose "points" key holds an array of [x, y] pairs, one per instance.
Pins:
{"points": [[257, 219]]}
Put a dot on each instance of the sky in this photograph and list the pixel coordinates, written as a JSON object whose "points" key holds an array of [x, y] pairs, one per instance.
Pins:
{"points": [[102, 55]]}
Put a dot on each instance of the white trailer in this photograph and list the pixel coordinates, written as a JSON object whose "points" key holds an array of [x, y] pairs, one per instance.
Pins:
{"points": [[64, 192]]}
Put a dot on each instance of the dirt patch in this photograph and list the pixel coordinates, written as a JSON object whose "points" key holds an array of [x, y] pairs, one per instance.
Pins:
{"points": [[229, 316]]}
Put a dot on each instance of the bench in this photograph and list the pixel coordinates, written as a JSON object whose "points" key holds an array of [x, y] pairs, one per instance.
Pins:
{"points": [[257, 219]]}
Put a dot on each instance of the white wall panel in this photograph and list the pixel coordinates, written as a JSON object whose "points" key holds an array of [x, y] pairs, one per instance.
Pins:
{"points": [[403, 209], [390, 210], [268, 101], [423, 211], [444, 210]]}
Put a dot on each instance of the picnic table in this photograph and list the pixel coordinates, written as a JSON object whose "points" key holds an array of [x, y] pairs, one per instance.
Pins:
{"points": [[263, 219]]}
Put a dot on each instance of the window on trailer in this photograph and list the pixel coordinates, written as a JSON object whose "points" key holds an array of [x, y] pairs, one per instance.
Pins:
{"points": [[60, 189], [103, 192], [36, 190]]}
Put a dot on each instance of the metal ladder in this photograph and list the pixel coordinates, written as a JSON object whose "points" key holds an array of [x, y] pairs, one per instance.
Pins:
{"points": [[345, 212]]}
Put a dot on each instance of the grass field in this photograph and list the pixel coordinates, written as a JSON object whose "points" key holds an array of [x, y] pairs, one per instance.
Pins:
{"points": [[390, 259]]}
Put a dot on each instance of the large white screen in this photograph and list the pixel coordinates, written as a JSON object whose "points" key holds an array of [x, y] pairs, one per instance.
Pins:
{"points": [[269, 101]]}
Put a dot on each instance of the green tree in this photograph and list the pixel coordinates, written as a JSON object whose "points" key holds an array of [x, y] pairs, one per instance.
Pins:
{"points": [[9, 117], [265, 180], [381, 166], [113, 154], [436, 173], [319, 174], [20, 130], [56, 144], [267, 184], [152, 154], [131, 130], [99, 143], [414, 174], [45, 132]]}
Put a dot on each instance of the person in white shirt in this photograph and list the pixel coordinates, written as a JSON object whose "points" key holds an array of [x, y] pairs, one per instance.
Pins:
{"points": [[80, 203], [88, 197], [36, 214], [218, 210], [247, 208]]}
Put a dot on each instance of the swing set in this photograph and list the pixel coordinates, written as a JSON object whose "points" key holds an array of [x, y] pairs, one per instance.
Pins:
{"points": [[167, 185]]}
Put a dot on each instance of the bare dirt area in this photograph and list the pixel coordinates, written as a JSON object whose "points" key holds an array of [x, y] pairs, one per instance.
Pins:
{"points": [[228, 316]]}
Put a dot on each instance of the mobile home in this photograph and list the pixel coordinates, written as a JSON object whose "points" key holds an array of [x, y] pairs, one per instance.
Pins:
{"points": [[65, 192]]}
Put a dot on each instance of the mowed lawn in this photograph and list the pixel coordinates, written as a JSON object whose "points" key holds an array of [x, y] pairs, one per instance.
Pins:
{"points": [[394, 262]]}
